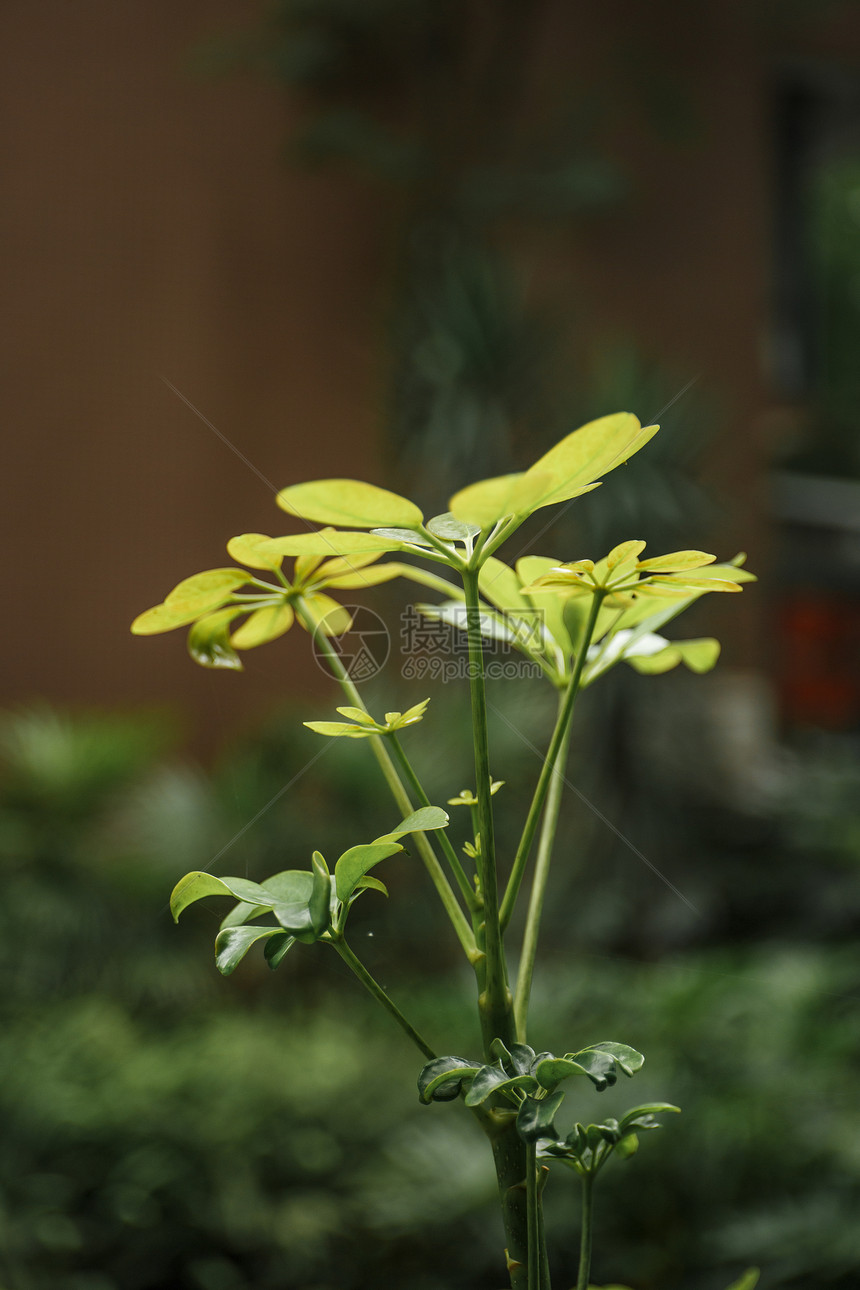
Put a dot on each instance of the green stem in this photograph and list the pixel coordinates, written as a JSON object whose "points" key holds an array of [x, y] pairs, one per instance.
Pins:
{"points": [[373, 987], [431, 864], [441, 834], [495, 1003], [558, 736], [582, 1280], [525, 971], [533, 1206]]}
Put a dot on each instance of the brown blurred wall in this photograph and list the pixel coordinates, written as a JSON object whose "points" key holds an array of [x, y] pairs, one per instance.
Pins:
{"points": [[150, 229]]}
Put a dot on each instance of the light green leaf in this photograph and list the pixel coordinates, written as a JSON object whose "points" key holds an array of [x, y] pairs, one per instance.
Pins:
{"points": [[246, 550], [319, 905], [243, 913], [196, 885], [209, 641], [357, 861], [699, 656], [420, 821], [339, 729], [264, 624], [233, 943], [368, 883], [402, 535], [349, 501], [676, 562], [748, 1281], [291, 892], [627, 1147], [587, 455], [450, 529]]}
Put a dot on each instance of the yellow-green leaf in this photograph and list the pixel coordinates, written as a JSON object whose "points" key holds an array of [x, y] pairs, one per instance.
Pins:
{"points": [[549, 606], [328, 616], [265, 624], [331, 542], [246, 549], [683, 583], [162, 618], [343, 564], [624, 552], [676, 562], [339, 729], [365, 577], [349, 501], [207, 590], [486, 501], [209, 641], [587, 454], [501, 586], [357, 714]]}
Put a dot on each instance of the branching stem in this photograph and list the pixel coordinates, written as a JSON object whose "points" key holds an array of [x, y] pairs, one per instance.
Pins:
{"points": [[431, 864], [451, 856], [373, 987], [559, 734]]}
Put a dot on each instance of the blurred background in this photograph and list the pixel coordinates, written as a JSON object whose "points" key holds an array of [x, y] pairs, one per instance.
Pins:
{"points": [[418, 241]]}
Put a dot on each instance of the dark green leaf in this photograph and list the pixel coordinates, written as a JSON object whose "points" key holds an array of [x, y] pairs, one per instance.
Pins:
{"points": [[640, 1117], [535, 1118], [492, 1079], [552, 1070], [277, 947], [442, 1079], [627, 1058]]}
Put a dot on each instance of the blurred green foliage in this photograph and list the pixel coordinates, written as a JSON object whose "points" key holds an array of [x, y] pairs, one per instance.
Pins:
{"points": [[165, 1129]]}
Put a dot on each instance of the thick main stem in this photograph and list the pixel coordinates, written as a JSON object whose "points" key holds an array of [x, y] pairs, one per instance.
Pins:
{"points": [[496, 1002], [582, 1280]]}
